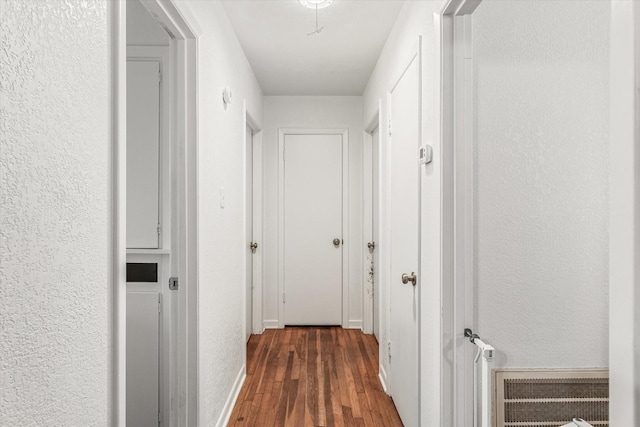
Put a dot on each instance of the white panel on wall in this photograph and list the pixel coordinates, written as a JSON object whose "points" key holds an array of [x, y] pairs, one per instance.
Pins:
{"points": [[55, 214], [542, 193], [143, 153]]}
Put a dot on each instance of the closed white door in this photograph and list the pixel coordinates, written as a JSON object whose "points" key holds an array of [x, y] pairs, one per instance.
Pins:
{"points": [[249, 250], [312, 220], [143, 326], [143, 153], [404, 140], [375, 233]]}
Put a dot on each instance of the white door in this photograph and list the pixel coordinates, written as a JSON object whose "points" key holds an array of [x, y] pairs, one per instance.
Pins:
{"points": [[312, 220], [404, 144], [143, 326], [143, 153], [249, 250], [375, 224]]}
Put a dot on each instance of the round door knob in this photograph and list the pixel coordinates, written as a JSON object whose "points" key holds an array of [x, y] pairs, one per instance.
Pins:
{"points": [[336, 242], [406, 278], [253, 246], [371, 245]]}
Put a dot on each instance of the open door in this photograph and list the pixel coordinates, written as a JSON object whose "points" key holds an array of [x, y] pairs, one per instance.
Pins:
{"points": [[404, 136]]}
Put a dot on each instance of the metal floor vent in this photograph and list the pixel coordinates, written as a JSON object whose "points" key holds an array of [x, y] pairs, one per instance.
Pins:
{"points": [[550, 398]]}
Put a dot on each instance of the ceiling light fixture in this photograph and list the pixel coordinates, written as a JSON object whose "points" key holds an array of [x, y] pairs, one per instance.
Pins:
{"points": [[316, 4]]}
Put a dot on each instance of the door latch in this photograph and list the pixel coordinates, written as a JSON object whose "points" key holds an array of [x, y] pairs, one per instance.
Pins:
{"points": [[406, 278], [371, 245], [253, 246], [173, 283]]}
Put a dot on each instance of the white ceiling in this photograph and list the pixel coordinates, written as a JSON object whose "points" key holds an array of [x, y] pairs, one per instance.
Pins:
{"points": [[338, 61]]}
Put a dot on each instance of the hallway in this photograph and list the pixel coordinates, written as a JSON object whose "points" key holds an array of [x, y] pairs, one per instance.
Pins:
{"points": [[313, 377]]}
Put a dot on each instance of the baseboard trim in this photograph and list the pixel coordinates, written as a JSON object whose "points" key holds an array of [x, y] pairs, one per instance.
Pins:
{"points": [[233, 397], [384, 379], [355, 324], [271, 324]]}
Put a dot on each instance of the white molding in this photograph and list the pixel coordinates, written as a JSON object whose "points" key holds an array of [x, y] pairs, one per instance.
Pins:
{"points": [[345, 216], [271, 324], [118, 17], [227, 409], [355, 324], [384, 379], [624, 223]]}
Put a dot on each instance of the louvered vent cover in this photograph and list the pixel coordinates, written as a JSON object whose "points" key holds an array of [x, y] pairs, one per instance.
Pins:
{"points": [[550, 398]]}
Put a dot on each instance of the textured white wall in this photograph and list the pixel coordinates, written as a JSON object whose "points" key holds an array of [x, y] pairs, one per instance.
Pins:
{"points": [[55, 292], [221, 340], [415, 19], [542, 105], [312, 112]]}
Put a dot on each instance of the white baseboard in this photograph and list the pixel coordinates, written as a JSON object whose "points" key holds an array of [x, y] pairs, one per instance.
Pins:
{"points": [[384, 379], [354, 324], [231, 400], [271, 324]]}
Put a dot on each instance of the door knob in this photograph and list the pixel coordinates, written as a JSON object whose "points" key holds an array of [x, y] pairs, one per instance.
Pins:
{"points": [[371, 245], [253, 246], [406, 278], [336, 242]]}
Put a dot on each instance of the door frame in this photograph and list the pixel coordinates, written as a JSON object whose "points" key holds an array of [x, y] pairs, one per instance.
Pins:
{"points": [[624, 225], [368, 301], [184, 385], [454, 63], [257, 326], [282, 132]]}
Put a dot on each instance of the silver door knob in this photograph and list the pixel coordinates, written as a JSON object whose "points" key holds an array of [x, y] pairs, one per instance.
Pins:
{"points": [[371, 245], [336, 242], [253, 246], [406, 278]]}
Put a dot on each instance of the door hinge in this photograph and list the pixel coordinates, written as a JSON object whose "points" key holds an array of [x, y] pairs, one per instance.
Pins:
{"points": [[159, 417], [158, 229], [389, 126], [159, 76], [283, 153], [389, 350], [284, 298]]}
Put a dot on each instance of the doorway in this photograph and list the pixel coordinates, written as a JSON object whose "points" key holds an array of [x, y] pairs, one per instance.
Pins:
{"points": [[313, 223], [174, 249]]}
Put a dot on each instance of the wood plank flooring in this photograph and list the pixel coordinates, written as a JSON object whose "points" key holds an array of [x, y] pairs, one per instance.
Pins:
{"points": [[312, 377]]}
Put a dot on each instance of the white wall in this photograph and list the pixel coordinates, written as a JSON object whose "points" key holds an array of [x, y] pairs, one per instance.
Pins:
{"points": [[542, 111], [415, 19], [221, 340], [55, 214], [312, 112], [142, 29]]}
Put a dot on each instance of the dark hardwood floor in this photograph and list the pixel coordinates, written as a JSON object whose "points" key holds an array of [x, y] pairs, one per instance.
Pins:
{"points": [[312, 376]]}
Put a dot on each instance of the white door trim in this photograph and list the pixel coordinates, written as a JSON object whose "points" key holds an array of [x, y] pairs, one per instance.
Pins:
{"points": [[456, 135], [345, 216], [118, 17], [624, 223], [184, 385], [257, 326]]}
